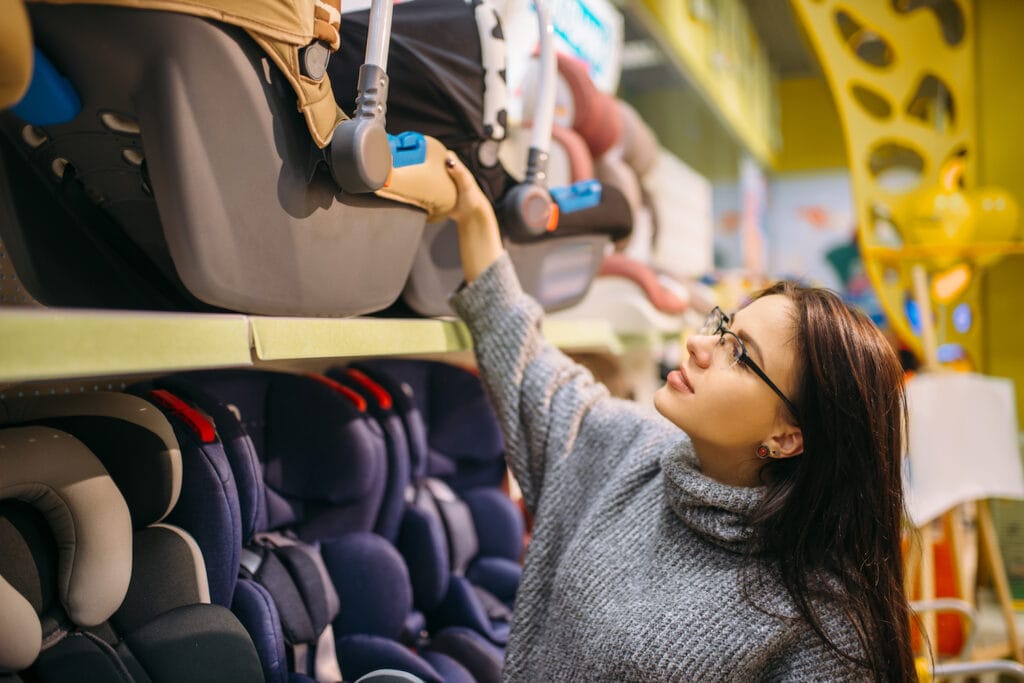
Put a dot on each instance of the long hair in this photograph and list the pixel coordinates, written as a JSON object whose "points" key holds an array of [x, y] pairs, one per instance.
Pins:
{"points": [[837, 509]]}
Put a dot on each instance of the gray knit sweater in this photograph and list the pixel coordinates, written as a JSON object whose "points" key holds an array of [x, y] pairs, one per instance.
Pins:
{"points": [[636, 568]]}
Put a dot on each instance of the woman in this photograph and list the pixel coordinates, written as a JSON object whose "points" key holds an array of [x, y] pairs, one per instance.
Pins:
{"points": [[754, 534]]}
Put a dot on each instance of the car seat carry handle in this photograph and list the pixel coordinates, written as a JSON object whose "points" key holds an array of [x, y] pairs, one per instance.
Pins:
{"points": [[527, 209], [359, 155], [543, 118]]}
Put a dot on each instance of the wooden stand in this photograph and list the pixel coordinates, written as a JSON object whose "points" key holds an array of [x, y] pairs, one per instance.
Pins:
{"points": [[920, 564]]}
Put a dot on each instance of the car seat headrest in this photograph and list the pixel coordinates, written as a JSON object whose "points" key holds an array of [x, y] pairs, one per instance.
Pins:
{"points": [[319, 446], [303, 446], [131, 438], [404, 400], [20, 633], [461, 422], [57, 475]]}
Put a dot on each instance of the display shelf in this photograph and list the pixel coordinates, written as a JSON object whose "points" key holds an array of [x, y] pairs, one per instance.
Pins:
{"points": [[286, 338], [582, 335], [39, 344], [48, 344]]}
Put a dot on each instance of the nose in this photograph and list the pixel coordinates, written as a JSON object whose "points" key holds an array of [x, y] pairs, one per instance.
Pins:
{"points": [[700, 347]]}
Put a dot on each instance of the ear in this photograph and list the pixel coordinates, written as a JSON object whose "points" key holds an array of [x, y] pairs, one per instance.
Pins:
{"points": [[787, 441]]}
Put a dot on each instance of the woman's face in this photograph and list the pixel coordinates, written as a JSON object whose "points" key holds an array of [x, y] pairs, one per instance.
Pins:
{"points": [[725, 408]]}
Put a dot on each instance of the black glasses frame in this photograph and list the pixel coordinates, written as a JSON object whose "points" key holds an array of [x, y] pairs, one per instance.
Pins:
{"points": [[716, 324]]}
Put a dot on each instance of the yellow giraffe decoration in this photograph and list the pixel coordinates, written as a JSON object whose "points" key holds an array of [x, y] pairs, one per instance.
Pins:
{"points": [[902, 76]]}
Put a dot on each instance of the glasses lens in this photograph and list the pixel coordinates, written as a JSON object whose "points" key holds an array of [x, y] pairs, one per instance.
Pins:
{"points": [[733, 349], [713, 322]]}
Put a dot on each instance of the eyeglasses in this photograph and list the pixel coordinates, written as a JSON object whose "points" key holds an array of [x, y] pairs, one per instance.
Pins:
{"points": [[716, 324]]}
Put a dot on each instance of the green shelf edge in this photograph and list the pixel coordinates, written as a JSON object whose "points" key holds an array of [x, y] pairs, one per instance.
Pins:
{"points": [[294, 338], [42, 344], [53, 344]]}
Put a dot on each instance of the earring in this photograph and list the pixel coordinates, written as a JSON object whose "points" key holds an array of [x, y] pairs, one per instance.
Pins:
{"points": [[763, 452]]}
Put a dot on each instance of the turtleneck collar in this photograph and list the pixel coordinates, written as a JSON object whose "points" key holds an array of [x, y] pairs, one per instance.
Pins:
{"points": [[716, 512]]}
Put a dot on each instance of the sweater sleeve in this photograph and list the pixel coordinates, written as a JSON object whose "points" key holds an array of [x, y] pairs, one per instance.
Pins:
{"points": [[539, 394]]}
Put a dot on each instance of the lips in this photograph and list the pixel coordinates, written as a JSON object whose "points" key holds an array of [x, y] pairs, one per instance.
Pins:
{"points": [[686, 379], [678, 380]]}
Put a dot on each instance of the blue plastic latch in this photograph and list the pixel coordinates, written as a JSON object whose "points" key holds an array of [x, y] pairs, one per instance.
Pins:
{"points": [[50, 99], [407, 149], [584, 194]]}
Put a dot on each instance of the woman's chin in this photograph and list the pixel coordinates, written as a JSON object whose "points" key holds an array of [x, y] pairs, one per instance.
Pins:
{"points": [[664, 404]]}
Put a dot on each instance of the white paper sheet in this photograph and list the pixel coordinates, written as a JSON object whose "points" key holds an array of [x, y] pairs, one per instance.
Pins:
{"points": [[963, 442]]}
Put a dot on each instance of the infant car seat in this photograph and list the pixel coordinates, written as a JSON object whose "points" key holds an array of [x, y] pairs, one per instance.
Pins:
{"points": [[181, 165], [448, 82]]}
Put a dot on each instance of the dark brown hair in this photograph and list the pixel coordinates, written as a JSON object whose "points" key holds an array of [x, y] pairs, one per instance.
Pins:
{"points": [[837, 509]]}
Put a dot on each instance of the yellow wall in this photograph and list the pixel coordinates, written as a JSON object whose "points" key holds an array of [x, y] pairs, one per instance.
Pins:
{"points": [[812, 137], [1000, 153], [1000, 112]]}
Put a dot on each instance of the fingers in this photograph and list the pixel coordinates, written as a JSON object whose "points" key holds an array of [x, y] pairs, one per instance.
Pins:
{"points": [[471, 200], [460, 174]]}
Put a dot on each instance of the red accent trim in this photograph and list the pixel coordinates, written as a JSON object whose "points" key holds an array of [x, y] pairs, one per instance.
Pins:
{"points": [[380, 393], [189, 415], [358, 400]]}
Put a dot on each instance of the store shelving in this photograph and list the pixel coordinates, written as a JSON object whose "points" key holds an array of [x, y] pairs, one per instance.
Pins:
{"points": [[45, 344], [39, 344]]}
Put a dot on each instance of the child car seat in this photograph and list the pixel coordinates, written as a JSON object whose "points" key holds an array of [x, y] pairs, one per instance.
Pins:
{"points": [[96, 597], [421, 538], [480, 554], [309, 466], [123, 425], [209, 510], [187, 176], [449, 84]]}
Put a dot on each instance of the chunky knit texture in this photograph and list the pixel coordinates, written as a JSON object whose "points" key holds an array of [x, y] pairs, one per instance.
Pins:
{"points": [[638, 566]]}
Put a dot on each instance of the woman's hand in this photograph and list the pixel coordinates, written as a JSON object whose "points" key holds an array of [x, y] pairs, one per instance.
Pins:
{"points": [[479, 239]]}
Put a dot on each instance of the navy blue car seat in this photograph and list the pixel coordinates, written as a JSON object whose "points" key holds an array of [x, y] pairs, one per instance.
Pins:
{"points": [[422, 540], [310, 470], [448, 550], [94, 585], [209, 510]]}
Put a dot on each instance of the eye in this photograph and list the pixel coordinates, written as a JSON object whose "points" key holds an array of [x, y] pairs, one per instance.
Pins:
{"points": [[735, 350]]}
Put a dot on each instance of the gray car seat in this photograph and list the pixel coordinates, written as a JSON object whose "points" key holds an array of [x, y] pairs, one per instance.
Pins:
{"points": [[94, 588], [185, 178]]}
